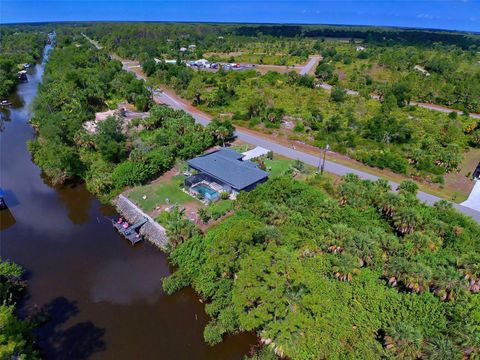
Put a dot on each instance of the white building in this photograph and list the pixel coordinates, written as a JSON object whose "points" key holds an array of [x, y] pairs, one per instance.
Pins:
{"points": [[422, 70]]}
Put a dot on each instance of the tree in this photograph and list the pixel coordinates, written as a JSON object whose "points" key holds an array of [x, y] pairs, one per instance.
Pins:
{"points": [[222, 131], [338, 94], [408, 187], [110, 141], [149, 67], [404, 341]]}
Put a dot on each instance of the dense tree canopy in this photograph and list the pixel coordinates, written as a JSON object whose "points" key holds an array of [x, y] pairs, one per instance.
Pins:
{"points": [[80, 81], [365, 274], [18, 45], [16, 339]]}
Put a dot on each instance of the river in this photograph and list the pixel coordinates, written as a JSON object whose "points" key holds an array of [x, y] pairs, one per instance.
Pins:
{"points": [[104, 297]]}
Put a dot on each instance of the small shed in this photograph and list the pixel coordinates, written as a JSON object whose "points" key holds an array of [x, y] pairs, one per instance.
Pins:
{"points": [[255, 153]]}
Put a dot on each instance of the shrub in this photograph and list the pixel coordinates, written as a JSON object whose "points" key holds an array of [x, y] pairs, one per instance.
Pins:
{"points": [[438, 179], [204, 215], [299, 127], [224, 195], [175, 282], [213, 333]]}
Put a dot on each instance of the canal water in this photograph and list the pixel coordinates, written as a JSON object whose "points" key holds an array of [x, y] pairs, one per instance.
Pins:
{"points": [[104, 297]]}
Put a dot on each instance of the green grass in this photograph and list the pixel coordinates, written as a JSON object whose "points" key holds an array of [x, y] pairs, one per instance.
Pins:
{"points": [[241, 147], [222, 206], [158, 193], [278, 166]]}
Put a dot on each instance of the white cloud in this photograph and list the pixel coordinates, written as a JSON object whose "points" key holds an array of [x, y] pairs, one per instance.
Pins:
{"points": [[428, 16]]}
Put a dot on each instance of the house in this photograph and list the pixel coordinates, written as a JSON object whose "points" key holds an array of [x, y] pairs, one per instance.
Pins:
{"points": [[422, 70], [220, 171], [476, 173], [360, 48], [192, 47], [183, 49]]}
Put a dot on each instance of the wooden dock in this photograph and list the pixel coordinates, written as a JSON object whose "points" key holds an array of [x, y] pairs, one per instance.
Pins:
{"points": [[151, 230]]}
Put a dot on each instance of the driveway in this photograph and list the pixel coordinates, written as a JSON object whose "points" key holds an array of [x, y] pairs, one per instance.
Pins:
{"points": [[310, 64], [473, 201]]}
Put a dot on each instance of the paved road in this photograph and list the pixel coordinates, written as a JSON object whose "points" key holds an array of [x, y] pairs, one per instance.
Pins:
{"points": [[93, 42], [330, 166], [334, 168], [313, 61], [473, 201], [310, 64]]}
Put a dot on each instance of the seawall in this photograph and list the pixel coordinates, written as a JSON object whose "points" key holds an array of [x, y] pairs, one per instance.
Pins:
{"points": [[152, 231]]}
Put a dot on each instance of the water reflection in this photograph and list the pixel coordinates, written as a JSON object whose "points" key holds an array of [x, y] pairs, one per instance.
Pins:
{"points": [[76, 342], [6, 219], [107, 297], [124, 281], [77, 201]]}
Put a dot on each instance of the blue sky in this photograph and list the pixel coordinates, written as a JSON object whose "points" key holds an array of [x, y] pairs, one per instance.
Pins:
{"points": [[442, 14]]}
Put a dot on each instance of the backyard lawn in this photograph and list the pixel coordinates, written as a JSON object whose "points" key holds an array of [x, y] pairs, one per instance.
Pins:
{"points": [[278, 166], [157, 194]]}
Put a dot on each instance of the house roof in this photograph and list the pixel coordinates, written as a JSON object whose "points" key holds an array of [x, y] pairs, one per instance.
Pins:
{"points": [[227, 166], [255, 153]]}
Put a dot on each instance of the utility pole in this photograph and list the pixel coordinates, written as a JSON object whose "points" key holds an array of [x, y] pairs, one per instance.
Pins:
{"points": [[327, 147]]}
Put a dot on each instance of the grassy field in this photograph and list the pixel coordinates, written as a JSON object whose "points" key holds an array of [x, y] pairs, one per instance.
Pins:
{"points": [[280, 165], [157, 194]]}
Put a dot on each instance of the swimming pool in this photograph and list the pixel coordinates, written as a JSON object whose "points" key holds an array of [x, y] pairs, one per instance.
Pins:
{"points": [[206, 191]]}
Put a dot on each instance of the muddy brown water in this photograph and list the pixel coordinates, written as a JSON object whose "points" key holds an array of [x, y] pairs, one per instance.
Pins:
{"points": [[104, 297]]}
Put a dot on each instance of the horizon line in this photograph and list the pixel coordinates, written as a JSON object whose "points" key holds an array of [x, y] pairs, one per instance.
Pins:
{"points": [[239, 23]]}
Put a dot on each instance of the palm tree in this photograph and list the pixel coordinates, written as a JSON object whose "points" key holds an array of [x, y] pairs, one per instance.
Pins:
{"points": [[415, 276], [447, 284], [405, 340], [406, 220], [345, 266], [441, 348], [408, 187], [222, 133], [388, 203]]}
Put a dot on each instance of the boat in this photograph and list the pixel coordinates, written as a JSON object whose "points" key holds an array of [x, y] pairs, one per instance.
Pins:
{"points": [[130, 231], [3, 204], [5, 103], [22, 75]]}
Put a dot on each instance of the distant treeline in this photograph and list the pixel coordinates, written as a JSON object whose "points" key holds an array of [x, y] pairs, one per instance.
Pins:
{"points": [[367, 33]]}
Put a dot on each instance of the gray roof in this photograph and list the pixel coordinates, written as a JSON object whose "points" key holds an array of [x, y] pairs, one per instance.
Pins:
{"points": [[227, 166]]}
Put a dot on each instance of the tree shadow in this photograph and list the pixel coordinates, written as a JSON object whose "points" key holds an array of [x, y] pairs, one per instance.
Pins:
{"points": [[76, 342]]}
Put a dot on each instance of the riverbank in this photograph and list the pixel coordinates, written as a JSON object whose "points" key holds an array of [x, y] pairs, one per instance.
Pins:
{"points": [[103, 298], [151, 231]]}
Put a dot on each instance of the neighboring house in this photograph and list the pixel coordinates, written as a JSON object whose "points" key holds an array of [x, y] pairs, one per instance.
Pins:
{"points": [[165, 61], [183, 49], [422, 70], [360, 48], [192, 47], [223, 171]]}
